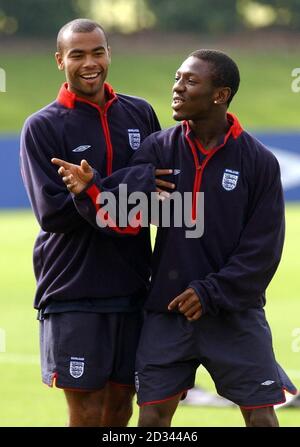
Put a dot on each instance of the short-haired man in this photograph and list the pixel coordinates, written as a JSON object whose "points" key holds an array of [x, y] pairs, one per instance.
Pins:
{"points": [[90, 285], [207, 295]]}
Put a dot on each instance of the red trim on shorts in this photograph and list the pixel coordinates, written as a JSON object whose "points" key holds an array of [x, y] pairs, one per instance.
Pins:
{"points": [[53, 380], [84, 390], [80, 390], [53, 383], [270, 405], [184, 392]]}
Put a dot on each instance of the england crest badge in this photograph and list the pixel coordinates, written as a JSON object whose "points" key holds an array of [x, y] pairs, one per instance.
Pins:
{"points": [[76, 367], [134, 137], [230, 179]]}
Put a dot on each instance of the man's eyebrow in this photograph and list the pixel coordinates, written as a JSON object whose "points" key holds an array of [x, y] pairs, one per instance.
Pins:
{"points": [[186, 73], [80, 50], [101, 47]]}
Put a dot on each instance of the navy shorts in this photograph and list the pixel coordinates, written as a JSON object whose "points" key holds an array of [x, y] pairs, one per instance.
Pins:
{"points": [[81, 350], [236, 349]]}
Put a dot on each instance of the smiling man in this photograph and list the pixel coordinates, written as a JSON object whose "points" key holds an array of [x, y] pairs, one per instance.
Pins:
{"points": [[90, 286]]}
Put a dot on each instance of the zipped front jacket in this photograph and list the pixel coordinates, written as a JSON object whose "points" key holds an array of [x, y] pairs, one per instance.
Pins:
{"points": [[72, 259], [232, 263]]}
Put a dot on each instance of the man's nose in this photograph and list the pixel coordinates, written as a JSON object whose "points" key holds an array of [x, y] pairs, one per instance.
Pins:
{"points": [[178, 86], [89, 61]]}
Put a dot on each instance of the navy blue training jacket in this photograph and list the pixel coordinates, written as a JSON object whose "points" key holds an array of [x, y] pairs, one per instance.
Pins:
{"points": [[72, 259], [231, 265]]}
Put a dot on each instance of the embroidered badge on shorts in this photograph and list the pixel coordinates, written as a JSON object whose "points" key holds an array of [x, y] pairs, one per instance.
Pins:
{"points": [[230, 179], [76, 367], [134, 137]]}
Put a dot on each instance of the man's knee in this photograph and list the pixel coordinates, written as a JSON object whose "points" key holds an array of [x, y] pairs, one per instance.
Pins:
{"points": [[263, 417], [153, 416], [85, 408], [158, 415], [118, 406]]}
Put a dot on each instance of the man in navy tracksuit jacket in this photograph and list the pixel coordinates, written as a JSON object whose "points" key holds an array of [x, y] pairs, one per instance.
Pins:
{"points": [[207, 295], [91, 284]]}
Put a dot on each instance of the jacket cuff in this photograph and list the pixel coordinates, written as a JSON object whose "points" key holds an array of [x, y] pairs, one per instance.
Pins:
{"points": [[202, 295], [83, 194]]}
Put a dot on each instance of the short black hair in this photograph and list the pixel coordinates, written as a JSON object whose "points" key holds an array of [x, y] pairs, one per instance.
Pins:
{"points": [[78, 26], [225, 71]]}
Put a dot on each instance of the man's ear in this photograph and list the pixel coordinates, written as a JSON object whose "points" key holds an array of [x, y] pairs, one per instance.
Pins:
{"points": [[222, 95], [59, 61]]}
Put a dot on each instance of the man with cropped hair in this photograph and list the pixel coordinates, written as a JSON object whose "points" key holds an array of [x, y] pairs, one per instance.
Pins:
{"points": [[90, 285]]}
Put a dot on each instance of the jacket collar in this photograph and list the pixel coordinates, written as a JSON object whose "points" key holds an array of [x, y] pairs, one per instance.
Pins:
{"points": [[68, 99], [235, 129]]}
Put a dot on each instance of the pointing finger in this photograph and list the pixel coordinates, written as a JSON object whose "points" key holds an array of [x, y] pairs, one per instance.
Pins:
{"points": [[59, 162]]}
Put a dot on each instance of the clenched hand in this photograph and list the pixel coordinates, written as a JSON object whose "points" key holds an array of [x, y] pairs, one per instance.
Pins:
{"points": [[188, 304]]}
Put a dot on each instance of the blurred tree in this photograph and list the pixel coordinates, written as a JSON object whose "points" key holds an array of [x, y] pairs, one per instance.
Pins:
{"points": [[44, 17], [35, 17], [126, 16], [277, 13], [217, 16], [212, 16]]}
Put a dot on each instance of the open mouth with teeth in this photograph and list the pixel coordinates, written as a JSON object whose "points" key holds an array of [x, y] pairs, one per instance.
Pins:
{"points": [[90, 76]]}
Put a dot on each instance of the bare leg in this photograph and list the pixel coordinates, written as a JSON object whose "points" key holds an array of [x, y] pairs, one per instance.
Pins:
{"points": [[117, 408], [85, 408], [109, 407], [260, 417], [158, 415]]}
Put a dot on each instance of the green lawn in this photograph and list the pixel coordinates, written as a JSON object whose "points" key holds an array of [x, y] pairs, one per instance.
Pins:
{"points": [[265, 99], [25, 401]]}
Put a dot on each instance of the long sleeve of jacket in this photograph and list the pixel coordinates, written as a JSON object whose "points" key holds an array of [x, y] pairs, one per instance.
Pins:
{"points": [[104, 203], [242, 282], [52, 203]]}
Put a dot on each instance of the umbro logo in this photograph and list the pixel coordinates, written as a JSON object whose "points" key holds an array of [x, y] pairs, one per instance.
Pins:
{"points": [[176, 171], [268, 382], [82, 148]]}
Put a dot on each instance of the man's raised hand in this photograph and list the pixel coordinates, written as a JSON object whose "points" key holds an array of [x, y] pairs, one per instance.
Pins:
{"points": [[75, 177]]}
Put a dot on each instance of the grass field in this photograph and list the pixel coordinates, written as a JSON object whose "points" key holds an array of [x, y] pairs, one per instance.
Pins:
{"points": [[265, 99], [25, 401]]}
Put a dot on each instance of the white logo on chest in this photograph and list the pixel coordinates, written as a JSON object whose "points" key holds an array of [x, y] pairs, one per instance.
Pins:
{"points": [[82, 148], [134, 137], [230, 179]]}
